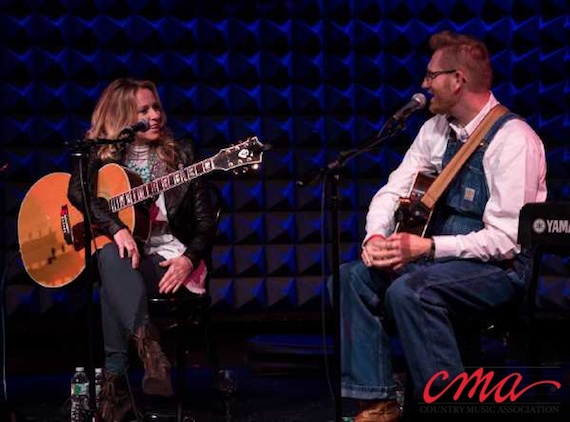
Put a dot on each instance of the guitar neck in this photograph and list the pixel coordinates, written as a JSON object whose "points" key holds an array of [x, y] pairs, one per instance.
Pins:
{"points": [[161, 184]]}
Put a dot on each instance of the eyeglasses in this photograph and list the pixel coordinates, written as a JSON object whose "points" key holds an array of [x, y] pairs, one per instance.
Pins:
{"points": [[430, 76]]}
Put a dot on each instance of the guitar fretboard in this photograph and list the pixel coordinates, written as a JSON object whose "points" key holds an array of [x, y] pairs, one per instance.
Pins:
{"points": [[154, 187]]}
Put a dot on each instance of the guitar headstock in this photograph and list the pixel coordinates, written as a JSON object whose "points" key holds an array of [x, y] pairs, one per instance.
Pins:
{"points": [[241, 156]]}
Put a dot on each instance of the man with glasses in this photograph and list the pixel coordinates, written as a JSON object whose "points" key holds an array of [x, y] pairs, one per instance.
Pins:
{"points": [[468, 261]]}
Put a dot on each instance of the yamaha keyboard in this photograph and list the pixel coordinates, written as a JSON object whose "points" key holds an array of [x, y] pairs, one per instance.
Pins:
{"points": [[545, 228], [545, 225]]}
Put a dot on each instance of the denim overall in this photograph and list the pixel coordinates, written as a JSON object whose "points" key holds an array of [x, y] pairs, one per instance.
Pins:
{"points": [[460, 210], [423, 298]]}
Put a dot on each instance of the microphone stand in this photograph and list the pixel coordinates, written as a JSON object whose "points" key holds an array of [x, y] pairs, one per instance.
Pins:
{"points": [[5, 409], [391, 127], [80, 149]]}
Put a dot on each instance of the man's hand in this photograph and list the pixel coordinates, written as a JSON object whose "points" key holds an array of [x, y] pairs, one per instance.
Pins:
{"points": [[371, 249], [395, 251], [127, 246], [179, 269]]}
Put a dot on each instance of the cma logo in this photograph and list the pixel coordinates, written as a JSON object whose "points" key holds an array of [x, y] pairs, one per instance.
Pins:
{"points": [[550, 226], [508, 388]]}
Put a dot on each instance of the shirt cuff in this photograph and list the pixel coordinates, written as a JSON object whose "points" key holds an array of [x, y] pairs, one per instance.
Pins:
{"points": [[444, 246]]}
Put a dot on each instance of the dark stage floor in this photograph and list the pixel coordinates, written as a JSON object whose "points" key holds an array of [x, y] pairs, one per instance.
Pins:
{"points": [[278, 378], [258, 398]]}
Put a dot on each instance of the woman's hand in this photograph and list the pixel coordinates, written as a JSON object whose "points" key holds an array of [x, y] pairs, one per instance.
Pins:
{"points": [[127, 246], [179, 269]]}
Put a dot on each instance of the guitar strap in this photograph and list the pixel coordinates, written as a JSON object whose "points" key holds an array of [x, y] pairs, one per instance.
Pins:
{"points": [[439, 185]]}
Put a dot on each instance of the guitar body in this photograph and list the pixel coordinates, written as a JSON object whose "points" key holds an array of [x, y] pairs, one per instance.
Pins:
{"points": [[46, 255], [50, 256], [412, 216]]}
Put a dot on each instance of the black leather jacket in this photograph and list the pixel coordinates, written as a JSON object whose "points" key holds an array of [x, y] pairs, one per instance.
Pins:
{"points": [[189, 206]]}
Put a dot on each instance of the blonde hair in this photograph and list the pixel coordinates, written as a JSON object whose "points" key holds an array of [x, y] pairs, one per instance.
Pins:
{"points": [[117, 109], [468, 53]]}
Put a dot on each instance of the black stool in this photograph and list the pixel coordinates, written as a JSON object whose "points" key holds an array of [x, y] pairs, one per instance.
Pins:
{"points": [[183, 313], [183, 316]]}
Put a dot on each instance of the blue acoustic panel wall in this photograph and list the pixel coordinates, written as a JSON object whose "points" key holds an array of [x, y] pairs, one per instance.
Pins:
{"points": [[311, 78]]}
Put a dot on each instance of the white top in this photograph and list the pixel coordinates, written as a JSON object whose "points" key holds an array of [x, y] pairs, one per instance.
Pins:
{"points": [[165, 244], [515, 170], [161, 240]]}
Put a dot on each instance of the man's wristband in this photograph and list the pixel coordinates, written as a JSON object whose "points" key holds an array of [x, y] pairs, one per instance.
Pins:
{"points": [[431, 253]]}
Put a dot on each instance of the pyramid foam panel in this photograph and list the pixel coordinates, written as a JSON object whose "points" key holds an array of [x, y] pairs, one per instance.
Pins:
{"points": [[309, 78]]}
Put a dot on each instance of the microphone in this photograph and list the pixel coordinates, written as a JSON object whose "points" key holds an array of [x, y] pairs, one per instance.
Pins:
{"points": [[418, 101], [140, 126]]}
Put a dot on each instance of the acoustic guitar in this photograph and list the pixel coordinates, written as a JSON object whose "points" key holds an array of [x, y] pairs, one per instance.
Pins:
{"points": [[51, 230], [412, 216]]}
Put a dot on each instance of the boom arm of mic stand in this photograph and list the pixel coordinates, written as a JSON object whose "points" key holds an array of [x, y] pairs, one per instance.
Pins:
{"points": [[87, 144], [390, 128]]}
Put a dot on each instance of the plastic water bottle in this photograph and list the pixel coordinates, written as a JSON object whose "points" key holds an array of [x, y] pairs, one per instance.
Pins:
{"points": [[98, 388], [79, 395]]}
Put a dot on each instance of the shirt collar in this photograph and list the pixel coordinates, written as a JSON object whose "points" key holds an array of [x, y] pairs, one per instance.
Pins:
{"points": [[463, 132]]}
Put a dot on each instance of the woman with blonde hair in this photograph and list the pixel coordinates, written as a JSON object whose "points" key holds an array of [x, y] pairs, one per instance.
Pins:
{"points": [[181, 236]]}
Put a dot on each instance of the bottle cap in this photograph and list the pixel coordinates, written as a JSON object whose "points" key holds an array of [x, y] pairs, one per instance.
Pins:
{"points": [[98, 370], [79, 369]]}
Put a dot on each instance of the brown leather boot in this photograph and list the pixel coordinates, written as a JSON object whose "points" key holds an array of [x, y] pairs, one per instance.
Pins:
{"points": [[378, 411], [115, 403], [156, 379]]}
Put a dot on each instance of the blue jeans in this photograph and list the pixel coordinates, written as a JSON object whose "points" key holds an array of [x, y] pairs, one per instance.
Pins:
{"points": [[124, 301], [422, 300], [366, 362]]}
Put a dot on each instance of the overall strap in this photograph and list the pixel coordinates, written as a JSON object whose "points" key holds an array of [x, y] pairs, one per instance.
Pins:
{"points": [[490, 124], [490, 135]]}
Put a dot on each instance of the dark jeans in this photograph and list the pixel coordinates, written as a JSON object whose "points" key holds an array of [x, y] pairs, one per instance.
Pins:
{"points": [[124, 301]]}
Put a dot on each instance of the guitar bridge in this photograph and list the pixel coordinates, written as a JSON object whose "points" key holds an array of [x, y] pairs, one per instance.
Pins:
{"points": [[66, 225]]}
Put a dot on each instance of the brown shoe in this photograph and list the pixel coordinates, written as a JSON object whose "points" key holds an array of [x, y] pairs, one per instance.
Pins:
{"points": [[115, 403], [156, 379], [378, 411]]}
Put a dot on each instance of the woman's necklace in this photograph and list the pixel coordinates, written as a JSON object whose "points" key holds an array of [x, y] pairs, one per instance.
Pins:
{"points": [[141, 159]]}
